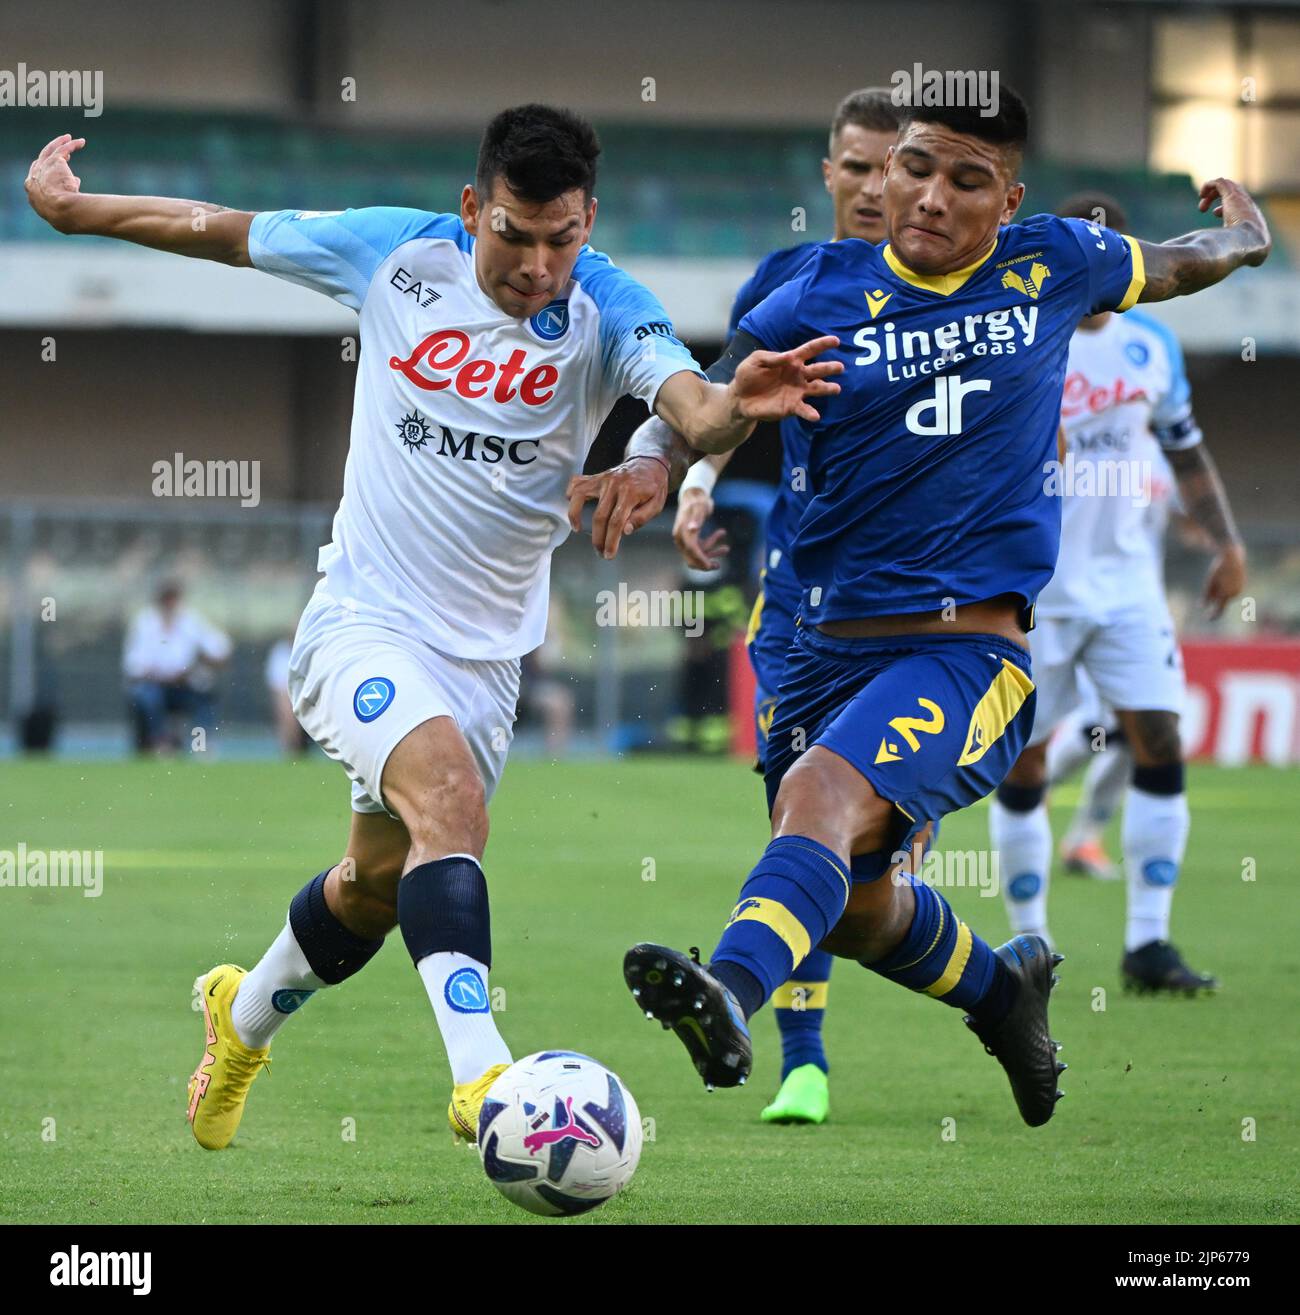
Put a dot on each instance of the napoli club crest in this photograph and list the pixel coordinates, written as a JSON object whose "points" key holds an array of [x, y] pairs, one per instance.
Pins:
{"points": [[372, 697], [551, 322]]}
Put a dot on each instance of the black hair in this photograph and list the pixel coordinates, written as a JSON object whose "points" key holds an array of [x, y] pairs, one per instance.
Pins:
{"points": [[1096, 208], [540, 151], [872, 108], [1008, 128]]}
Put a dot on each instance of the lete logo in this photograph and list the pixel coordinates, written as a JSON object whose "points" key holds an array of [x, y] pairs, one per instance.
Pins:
{"points": [[446, 351], [372, 697]]}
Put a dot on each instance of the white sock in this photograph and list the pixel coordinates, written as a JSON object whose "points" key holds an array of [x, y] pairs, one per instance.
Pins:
{"points": [[458, 991], [280, 983], [1023, 845], [1104, 784], [1155, 839]]}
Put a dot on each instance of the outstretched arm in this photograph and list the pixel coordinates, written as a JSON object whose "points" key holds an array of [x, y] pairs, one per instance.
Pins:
{"points": [[187, 228], [714, 417], [1205, 500], [629, 495], [1199, 260]]}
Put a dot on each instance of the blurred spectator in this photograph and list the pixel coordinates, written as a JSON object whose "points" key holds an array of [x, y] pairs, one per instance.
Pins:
{"points": [[169, 661], [292, 737]]}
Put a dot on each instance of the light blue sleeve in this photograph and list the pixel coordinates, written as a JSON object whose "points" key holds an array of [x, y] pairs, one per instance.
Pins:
{"points": [[638, 348], [337, 252], [1172, 421]]}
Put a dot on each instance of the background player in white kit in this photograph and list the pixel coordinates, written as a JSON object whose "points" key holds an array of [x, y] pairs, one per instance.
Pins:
{"points": [[1104, 612], [494, 344]]}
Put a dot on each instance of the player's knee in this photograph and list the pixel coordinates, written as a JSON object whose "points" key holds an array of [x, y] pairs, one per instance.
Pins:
{"points": [[451, 815], [824, 796], [1156, 738]]}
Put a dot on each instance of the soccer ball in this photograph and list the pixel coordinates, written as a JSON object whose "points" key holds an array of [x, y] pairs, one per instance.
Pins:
{"points": [[559, 1133]]}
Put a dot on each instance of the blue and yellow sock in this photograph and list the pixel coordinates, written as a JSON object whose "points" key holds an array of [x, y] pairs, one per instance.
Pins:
{"points": [[941, 956], [800, 1007], [793, 897]]}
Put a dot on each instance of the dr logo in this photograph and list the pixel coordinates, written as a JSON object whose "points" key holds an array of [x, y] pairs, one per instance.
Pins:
{"points": [[372, 697], [945, 406], [465, 992]]}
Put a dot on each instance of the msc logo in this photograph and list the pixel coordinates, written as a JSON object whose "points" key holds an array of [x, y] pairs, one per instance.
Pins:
{"points": [[372, 697], [465, 992], [1031, 286], [906, 728], [551, 322], [945, 404]]}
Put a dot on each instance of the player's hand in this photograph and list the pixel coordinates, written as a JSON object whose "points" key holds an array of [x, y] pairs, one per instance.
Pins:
{"points": [[50, 181], [626, 497], [1227, 578], [1237, 208], [771, 385], [694, 507]]}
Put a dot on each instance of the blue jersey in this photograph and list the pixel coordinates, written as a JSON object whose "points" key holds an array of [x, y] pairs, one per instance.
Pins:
{"points": [[781, 588], [930, 466]]}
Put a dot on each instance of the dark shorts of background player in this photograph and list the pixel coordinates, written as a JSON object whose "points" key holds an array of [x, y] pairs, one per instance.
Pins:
{"points": [[933, 723]]}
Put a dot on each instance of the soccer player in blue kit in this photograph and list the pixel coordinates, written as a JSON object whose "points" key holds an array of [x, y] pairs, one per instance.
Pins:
{"points": [[908, 692], [864, 127]]}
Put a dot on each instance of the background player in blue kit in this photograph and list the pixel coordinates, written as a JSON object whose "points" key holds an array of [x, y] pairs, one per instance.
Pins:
{"points": [[865, 126], [908, 692]]}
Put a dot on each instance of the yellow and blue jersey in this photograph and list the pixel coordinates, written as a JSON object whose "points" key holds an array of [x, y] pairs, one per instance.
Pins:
{"points": [[927, 470]]}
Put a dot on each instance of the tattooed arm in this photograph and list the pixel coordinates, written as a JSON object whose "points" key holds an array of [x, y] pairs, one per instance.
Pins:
{"points": [[1204, 499], [187, 228], [1198, 260]]}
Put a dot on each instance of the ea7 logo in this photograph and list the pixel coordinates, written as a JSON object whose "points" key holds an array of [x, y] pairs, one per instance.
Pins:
{"points": [[945, 404], [906, 727], [103, 1269]]}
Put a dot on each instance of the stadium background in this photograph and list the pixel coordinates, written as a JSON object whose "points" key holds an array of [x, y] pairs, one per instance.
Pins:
{"points": [[713, 132]]}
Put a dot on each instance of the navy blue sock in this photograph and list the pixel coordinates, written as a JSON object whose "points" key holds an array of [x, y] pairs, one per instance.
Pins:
{"points": [[333, 952], [800, 1007], [443, 906], [941, 956], [792, 898]]}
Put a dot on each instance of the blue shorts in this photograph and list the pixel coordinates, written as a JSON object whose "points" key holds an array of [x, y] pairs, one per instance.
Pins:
{"points": [[771, 632], [934, 723]]}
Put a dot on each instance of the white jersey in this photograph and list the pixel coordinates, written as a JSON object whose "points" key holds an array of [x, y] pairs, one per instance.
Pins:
{"points": [[467, 424], [1126, 401]]}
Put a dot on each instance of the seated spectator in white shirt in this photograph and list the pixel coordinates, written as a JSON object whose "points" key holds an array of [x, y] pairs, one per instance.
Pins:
{"points": [[169, 661]]}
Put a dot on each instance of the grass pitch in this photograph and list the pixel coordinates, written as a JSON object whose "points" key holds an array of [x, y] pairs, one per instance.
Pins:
{"points": [[1176, 1110]]}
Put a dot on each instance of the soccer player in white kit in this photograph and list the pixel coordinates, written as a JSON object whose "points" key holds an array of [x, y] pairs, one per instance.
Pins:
{"points": [[1104, 612], [494, 344]]}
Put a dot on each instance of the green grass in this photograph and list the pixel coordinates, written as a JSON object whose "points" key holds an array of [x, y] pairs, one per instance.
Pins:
{"points": [[97, 1032]]}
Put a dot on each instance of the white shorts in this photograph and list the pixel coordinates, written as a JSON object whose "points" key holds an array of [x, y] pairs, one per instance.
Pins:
{"points": [[359, 688], [1132, 660]]}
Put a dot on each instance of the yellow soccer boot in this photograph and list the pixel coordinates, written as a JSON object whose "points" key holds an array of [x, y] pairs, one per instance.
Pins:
{"points": [[467, 1100], [220, 1084]]}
